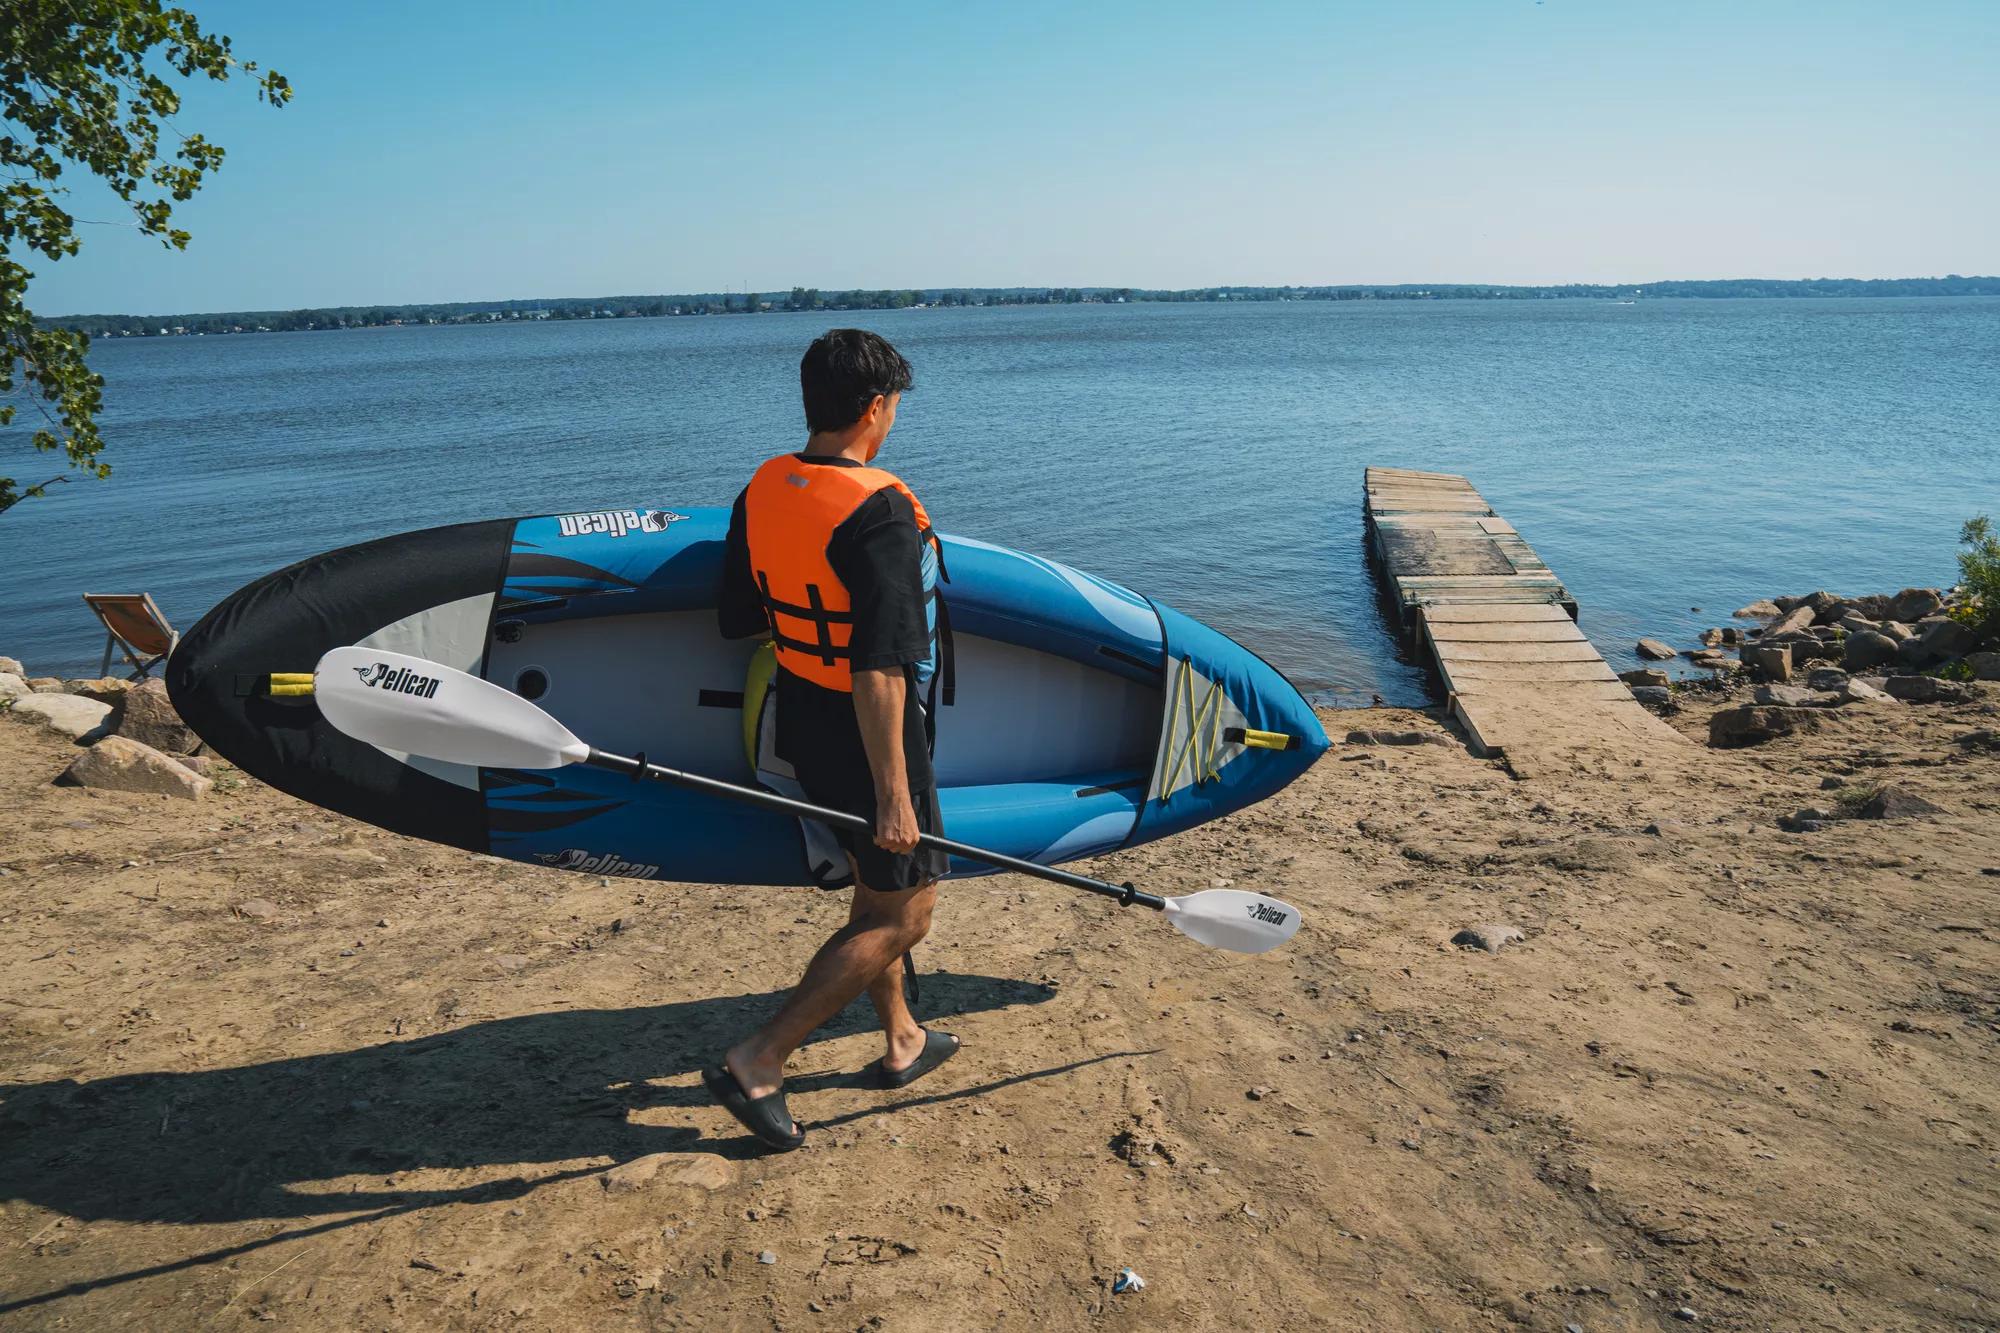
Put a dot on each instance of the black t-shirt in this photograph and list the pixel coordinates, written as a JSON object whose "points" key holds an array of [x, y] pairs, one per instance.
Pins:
{"points": [[878, 556]]}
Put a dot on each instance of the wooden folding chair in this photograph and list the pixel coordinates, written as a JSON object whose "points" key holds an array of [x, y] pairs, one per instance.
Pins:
{"points": [[135, 628]]}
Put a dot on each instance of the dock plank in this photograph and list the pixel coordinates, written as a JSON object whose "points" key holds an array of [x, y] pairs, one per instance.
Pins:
{"points": [[1459, 673], [1498, 626], [1443, 634], [1451, 613], [1452, 477], [1579, 649]]}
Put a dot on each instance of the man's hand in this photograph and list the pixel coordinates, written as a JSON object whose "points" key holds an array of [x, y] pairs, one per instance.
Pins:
{"points": [[878, 705], [896, 823]]}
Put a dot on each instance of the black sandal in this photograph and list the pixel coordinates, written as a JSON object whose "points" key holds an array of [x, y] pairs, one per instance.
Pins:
{"points": [[765, 1117], [938, 1048]]}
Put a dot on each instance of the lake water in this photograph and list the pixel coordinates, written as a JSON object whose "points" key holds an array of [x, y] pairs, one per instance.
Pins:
{"points": [[1660, 456]]}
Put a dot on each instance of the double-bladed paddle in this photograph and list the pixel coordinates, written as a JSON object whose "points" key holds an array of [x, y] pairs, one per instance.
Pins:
{"points": [[419, 707]]}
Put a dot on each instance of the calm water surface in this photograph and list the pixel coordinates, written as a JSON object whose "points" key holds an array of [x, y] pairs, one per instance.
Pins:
{"points": [[1660, 456]]}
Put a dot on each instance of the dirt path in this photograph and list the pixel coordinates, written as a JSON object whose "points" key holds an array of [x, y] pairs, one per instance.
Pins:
{"points": [[266, 1065]]}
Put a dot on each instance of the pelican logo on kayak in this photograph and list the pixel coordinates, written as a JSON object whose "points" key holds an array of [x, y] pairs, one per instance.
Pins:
{"points": [[1270, 916], [397, 680], [617, 522], [602, 863]]}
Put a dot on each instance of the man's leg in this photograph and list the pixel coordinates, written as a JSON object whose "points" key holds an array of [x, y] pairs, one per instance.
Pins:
{"points": [[899, 1028], [881, 928]]}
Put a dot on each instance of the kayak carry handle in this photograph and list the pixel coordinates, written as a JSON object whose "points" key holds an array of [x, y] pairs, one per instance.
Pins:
{"points": [[1260, 740]]}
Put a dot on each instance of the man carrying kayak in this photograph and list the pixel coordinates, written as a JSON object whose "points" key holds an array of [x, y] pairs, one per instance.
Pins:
{"points": [[835, 561]]}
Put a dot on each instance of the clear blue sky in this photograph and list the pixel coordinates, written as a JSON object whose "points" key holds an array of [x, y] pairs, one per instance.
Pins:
{"points": [[462, 151]]}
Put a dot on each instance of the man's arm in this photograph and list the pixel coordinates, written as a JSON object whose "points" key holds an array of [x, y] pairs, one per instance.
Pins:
{"points": [[878, 705], [879, 559], [739, 611]]}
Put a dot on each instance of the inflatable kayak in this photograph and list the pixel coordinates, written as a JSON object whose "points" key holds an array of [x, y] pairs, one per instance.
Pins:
{"points": [[1076, 717]]}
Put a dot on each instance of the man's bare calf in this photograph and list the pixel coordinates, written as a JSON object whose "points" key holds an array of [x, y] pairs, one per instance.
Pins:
{"points": [[865, 954]]}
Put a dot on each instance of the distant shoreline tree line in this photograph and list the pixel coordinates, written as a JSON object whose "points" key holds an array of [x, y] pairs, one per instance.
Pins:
{"points": [[813, 299]]}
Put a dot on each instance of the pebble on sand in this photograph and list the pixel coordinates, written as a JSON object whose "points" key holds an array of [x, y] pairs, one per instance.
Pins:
{"points": [[1895, 803], [1492, 938]]}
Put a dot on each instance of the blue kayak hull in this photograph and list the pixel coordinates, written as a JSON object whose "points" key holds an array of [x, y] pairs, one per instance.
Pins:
{"points": [[1084, 718]]}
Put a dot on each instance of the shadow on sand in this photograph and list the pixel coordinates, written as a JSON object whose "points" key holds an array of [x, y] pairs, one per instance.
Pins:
{"points": [[232, 1145]]}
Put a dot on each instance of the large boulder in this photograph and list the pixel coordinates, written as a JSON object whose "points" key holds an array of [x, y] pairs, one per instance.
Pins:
{"points": [[1897, 630], [148, 717], [1799, 617], [1868, 649], [1911, 655], [1857, 691], [1985, 666], [12, 686], [1945, 638], [1654, 649], [1895, 803], [118, 764], [1914, 604], [104, 689], [1652, 677], [1771, 661], [45, 685], [12, 666], [1938, 640], [1753, 724], [1789, 696], [1910, 689], [1757, 610], [65, 714]]}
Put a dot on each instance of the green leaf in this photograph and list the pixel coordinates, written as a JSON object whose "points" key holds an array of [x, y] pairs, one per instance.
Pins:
{"points": [[81, 84]]}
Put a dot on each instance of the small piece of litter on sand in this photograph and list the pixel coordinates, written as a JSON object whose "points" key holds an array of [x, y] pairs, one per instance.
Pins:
{"points": [[1127, 1280], [766, 1257]]}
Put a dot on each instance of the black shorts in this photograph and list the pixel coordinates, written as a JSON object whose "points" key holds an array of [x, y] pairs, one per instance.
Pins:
{"points": [[881, 870]]}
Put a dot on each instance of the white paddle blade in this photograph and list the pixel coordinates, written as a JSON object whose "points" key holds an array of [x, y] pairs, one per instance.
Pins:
{"points": [[1233, 919], [405, 703]]}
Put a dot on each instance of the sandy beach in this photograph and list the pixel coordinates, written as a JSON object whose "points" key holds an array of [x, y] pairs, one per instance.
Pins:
{"points": [[264, 1064]]}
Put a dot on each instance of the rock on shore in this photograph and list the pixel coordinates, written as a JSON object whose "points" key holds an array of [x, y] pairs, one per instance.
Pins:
{"points": [[79, 719], [117, 763], [147, 716], [1916, 631]]}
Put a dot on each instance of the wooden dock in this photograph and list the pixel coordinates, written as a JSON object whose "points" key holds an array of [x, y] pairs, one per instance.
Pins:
{"points": [[1478, 603]]}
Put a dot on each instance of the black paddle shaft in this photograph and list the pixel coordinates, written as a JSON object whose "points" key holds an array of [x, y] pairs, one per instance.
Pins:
{"points": [[638, 768]]}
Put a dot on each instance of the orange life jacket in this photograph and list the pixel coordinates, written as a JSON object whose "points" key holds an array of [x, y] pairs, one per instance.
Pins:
{"points": [[790, 511]]}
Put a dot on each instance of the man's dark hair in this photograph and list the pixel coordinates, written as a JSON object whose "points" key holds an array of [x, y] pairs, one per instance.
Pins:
{"points": [[843, 371]]}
